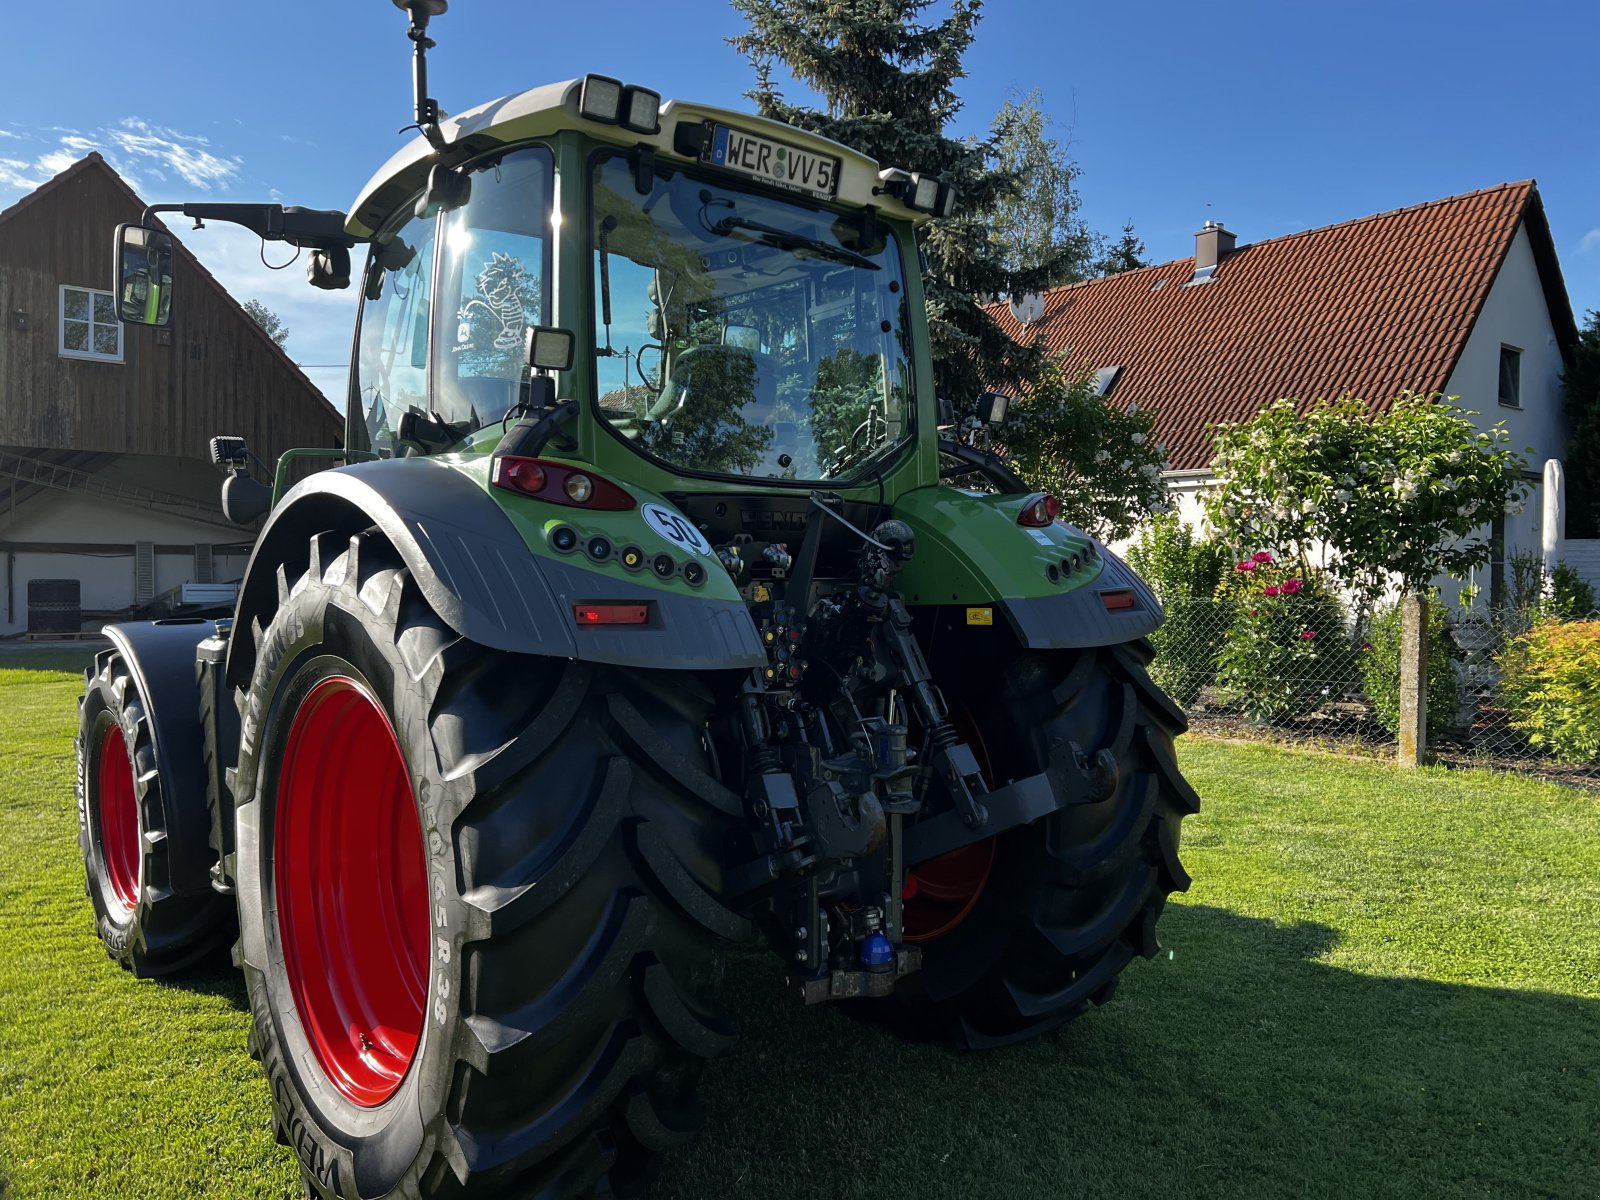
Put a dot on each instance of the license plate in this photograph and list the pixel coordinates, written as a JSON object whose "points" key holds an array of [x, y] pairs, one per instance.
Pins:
{"points": [[772, 162]]}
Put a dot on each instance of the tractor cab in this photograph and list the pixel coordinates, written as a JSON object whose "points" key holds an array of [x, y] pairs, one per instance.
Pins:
{"points": [[741, 297]]}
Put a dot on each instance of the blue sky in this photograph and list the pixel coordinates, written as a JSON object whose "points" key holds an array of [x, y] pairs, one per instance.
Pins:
{"points": [[1271, 117]]}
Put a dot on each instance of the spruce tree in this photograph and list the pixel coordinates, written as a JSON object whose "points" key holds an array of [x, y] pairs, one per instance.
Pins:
{"points": [[887, 79], [1124, 255]]}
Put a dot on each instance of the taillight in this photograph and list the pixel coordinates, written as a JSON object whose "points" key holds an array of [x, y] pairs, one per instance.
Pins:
{"points": [[1040, 509], [1117, 599], [611, 614], [559, 483]]}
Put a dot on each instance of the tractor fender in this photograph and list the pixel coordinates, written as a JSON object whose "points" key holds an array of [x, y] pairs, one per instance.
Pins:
{"points": [[1051, 582], [1080, 618], [476, 571], [160, 657]]}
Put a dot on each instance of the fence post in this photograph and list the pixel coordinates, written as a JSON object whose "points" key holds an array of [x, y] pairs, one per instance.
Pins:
{"points": [[1413, 679]]}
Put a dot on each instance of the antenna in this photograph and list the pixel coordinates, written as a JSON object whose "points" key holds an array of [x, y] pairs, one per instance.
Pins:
{"points": [[1025, 310], [427, 114]]}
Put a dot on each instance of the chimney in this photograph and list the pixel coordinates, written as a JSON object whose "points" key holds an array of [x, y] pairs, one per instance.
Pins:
{"points": [[1211, 245]]}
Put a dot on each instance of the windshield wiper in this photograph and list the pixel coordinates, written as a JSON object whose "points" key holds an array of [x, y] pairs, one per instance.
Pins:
{"points": [[787, 239]]}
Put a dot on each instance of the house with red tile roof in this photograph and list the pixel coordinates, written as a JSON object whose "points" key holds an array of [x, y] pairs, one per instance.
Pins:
{"points": [[1461, 296]]}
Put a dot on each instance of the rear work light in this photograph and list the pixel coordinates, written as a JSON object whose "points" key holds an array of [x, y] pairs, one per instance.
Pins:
{"points": [[1040, 509], [559, 483], [611, 614]]}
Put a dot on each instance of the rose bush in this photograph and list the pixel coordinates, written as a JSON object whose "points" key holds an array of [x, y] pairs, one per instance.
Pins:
{"points": [[1401, 496], [1286, 650]]}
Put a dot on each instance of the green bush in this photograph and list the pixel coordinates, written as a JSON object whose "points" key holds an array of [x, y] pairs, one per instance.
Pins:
{"points": [[1380, 668], [1571, 596], [1286, 649], [1550, 680], [1184, 570]]}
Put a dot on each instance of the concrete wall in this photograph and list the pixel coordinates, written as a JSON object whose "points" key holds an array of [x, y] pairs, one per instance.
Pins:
{"points": [[103, 533]]}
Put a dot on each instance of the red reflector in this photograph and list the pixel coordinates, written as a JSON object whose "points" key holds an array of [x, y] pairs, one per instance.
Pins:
{"points": [[611, 614], [1117, 599], [1040, 509]]}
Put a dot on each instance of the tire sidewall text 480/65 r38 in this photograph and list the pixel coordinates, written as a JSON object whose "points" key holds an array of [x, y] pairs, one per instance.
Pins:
{"points": [[569, 863]]}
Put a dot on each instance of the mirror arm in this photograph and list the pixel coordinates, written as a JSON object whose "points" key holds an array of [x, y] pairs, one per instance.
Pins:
{"points": [[314, 228]]}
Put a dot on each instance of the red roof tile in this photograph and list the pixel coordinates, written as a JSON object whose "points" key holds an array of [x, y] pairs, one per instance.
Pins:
{"points": [[1371, 307]]}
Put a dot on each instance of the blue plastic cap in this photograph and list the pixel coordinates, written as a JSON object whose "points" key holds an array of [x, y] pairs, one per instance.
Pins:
{"points": [[876, 950]]}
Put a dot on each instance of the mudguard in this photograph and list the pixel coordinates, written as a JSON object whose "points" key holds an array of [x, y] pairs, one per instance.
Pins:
{"points": [[160, 657], [1080, 618], [1050, 582], [479, 574]]}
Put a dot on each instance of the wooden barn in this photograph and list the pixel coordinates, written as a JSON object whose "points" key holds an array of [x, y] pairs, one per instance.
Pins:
{"points": [[108, 498]]}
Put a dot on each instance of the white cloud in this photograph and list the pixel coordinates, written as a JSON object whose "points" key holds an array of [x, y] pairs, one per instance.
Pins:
{"points": [[56, 161], [81, 144], [6, 133], [1590, 241], [180, 152], [14, 173]]}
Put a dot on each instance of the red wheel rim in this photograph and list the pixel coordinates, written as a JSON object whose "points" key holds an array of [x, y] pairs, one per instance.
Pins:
{"points": [[352, 891], [942, 892], [119, 819]]}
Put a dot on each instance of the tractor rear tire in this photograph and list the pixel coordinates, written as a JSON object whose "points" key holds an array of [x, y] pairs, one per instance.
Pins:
{"points": [[146, 924], [479, 898], [1022, 933]]}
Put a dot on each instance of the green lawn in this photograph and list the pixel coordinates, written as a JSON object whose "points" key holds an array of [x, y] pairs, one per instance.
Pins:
{"points": [[1380, 984]]}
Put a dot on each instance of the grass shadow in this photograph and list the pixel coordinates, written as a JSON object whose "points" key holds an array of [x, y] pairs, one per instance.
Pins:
{"points": [[1246, 1064], [216, 978]]}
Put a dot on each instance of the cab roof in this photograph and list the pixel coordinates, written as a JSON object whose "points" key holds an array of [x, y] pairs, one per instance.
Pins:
{"points": [[542, 111]]}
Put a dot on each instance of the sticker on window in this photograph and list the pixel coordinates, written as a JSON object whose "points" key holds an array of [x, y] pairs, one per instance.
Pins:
{"points": [[676, 528]]}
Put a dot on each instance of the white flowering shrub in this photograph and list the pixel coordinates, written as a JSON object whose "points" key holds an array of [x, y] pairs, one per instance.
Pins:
{"points": [[1102, 461], [1403, 494]]}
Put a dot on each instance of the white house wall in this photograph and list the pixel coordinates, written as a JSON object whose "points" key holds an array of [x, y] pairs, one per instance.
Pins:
{"points": [[1516, 314]]}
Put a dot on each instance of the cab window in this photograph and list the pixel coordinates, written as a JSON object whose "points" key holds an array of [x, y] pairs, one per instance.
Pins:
{"points": [[494, 282], [392, 364]]}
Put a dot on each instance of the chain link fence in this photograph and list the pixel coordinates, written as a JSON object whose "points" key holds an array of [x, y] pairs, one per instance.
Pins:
{"points": [[1515, 689]]}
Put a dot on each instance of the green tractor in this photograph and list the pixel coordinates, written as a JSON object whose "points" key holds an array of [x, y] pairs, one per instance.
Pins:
{"points": [[647, 611]]}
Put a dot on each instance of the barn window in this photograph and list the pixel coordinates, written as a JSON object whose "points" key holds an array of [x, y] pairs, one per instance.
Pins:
{"points": [[89, 325]]}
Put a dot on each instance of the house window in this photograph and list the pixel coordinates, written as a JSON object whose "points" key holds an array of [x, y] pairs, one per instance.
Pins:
{"points": [[1105, 379], [89, 325], [1510, 376]]}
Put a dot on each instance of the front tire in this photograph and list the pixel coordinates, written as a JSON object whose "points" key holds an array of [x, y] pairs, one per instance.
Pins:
{"points": [[518, 877], [147, 923], [1022, 932]]}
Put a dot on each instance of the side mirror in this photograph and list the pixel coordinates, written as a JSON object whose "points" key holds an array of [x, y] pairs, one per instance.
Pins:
{"points": [[992, 407], [144, 275], [947, 413]]}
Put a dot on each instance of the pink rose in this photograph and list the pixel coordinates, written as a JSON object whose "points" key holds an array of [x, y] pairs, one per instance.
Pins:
{"points": [[1261, 556], [1247, 565], [1271, 591], [1307, 634], [1253, 611], [1291, 586]]}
